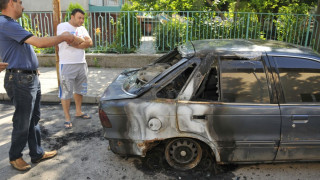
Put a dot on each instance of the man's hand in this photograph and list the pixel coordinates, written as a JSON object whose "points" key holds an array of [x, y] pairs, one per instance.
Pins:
{"points": [[3, 66], [69, 38]]}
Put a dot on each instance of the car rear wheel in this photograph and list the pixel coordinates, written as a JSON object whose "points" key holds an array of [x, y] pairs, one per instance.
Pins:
{"points": [[183, 153]]}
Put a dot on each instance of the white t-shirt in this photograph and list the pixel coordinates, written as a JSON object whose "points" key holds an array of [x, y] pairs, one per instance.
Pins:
{"points": [[69, 54]]}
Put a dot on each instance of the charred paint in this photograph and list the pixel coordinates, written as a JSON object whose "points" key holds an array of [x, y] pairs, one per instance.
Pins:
{"points": [[148, 145]]}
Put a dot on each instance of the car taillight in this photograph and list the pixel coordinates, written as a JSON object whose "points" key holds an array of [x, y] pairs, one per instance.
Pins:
{"points": [[104, 119]]}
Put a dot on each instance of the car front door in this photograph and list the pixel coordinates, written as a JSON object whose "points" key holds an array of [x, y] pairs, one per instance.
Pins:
{"points": [[233, 108], [299, 80]]}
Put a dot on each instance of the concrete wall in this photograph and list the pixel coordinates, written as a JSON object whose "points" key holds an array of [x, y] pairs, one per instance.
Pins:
{"points": [[106, 60], [46, 5]]}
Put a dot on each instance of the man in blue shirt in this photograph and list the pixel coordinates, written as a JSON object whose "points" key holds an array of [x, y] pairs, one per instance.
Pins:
{"points": [[22, 83]]}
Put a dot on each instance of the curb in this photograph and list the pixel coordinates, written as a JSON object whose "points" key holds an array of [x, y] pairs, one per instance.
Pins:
{"points": [[54, 98]]}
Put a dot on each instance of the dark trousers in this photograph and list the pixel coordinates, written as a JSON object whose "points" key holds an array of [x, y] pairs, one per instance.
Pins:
{"points": [[25, 93]]}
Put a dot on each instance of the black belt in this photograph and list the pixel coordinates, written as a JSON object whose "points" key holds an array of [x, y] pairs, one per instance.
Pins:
{"points": [[22, 71]]}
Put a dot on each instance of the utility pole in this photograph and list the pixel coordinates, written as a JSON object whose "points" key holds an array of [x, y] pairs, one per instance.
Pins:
{"points": [[56, 21]]}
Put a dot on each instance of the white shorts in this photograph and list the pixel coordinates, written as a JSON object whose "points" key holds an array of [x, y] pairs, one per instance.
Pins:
{"points": [[73, 79]]}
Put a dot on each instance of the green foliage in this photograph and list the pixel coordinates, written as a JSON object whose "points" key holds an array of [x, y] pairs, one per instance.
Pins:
{"points": [[26, 24], [101, 45], [205, 25], [170, 34], [73, 6], [277, 6], [101, 49], [49, 50], [228, 24], [265, 6], [128, 33], [96, 62], [292, 29], [170, 5]]}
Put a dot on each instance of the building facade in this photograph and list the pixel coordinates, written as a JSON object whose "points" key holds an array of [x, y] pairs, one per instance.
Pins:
{"points": [[88, 5]]}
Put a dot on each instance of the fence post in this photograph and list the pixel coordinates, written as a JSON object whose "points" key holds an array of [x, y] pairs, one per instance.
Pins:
{"points": [[308, 31], [248, 22], [187, 31], [128, 30]]}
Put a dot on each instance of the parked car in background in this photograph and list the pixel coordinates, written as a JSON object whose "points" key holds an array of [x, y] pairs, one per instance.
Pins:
{"points": [[236, 101]]}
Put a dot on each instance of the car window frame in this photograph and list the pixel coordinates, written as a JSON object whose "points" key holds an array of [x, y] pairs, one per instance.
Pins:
{"points": [[281, 95], [266, 69], [167, 78]]}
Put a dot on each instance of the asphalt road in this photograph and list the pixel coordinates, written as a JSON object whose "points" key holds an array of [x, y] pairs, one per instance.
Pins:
{"points": [[84, 154]]}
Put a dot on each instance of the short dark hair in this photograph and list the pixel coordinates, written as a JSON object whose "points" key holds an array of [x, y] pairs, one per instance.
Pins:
{"points": [[4, 3], [74, 11]]}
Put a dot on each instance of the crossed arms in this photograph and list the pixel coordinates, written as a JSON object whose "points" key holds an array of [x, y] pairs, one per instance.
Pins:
{"points": [[81, 43]]}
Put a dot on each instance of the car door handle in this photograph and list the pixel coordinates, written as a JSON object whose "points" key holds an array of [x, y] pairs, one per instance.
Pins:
{"points": [[300, 119], [199, 117]]}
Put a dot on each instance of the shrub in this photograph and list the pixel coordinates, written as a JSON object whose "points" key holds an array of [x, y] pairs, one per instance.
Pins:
{"points": [[169, 34], [128, 33]]}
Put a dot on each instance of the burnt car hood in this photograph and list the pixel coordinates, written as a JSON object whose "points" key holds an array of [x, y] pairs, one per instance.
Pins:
{"points": [[148, 75], [115, 89]]}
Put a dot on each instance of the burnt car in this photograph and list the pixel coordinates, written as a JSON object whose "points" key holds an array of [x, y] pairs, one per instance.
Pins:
{"points": [[240, 101]]}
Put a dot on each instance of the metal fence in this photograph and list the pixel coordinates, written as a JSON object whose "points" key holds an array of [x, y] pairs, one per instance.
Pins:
{"points": [[161, 31]]}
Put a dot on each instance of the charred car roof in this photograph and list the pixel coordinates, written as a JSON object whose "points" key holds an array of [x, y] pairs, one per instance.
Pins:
{"points": [[246, 49]]}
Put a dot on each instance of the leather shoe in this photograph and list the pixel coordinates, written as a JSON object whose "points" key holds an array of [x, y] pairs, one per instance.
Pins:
{"points": [[46, 155], [20, 164]]}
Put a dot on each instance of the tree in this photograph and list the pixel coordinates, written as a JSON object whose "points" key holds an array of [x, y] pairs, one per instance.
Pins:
{"points": [[171, 5], [262, 6], [276, 6]]}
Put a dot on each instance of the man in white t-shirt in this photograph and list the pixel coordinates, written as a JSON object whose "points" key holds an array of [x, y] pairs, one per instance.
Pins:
{"points": [[73, 66]]}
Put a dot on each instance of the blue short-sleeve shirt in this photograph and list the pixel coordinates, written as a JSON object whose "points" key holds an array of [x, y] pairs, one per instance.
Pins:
{"points": [[13, 50]]}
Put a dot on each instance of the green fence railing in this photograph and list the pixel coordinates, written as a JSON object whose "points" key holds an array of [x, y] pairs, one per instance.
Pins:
{"points": [[161, 31]]}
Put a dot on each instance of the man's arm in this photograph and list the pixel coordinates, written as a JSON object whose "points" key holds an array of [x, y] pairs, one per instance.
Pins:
{"points": [[43, 42], [3, 66], [77, 41], [85, 44]]}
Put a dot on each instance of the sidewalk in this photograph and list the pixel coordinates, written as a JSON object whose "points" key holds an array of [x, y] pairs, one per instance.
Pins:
{"points": [[98, 81]]}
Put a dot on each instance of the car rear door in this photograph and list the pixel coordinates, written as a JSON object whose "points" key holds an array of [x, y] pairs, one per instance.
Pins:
{"points": [[299, 87], [235, 109]]}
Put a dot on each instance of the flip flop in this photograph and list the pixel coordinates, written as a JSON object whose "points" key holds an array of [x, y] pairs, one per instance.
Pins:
{"points": [[67, 125], [83, 116]]}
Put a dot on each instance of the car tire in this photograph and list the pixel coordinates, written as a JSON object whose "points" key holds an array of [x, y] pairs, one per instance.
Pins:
{"points": [[183, 153]]}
